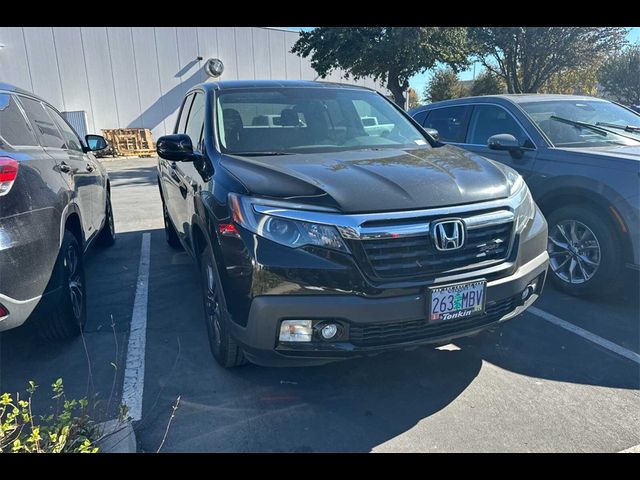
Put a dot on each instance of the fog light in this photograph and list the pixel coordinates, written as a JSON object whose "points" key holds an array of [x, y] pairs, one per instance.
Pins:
{"points": [[526, 293], [329, 331], [295, 331]]}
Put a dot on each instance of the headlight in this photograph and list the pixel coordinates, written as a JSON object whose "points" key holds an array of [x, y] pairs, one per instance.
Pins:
{"points": [[292, 233], [523, 206]]}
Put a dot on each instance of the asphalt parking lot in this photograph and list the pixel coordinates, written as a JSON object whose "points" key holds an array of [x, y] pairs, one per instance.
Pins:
{"points": [[531, 386]]}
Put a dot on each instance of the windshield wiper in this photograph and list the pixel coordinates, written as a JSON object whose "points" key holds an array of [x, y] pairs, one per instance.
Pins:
{"points": [[260, 154], [576, 123], [626, 128]]}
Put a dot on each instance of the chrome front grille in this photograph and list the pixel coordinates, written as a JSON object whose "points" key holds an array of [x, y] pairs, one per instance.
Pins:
{"points": [[417, 256], [397, 245]]}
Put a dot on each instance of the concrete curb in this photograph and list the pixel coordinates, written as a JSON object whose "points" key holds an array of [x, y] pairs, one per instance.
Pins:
{"points": [[116, 437]]}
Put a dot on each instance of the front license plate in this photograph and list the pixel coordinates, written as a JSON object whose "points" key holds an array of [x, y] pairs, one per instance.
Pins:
{"points": [[451, 302]]}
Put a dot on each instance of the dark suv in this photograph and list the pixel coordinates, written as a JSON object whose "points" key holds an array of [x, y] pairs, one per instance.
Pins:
{"points": [[319, 238], [580, 158], [54, 202]]}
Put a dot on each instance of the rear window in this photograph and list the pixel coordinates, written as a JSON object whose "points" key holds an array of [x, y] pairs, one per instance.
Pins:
{"points": [[46, 129], [14, 128]]}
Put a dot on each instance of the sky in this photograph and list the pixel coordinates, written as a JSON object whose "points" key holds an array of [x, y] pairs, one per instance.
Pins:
{"points": [[419, 81]]}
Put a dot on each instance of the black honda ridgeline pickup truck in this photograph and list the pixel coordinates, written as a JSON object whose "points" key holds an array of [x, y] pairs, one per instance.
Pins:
{"points": [[321, 234]]}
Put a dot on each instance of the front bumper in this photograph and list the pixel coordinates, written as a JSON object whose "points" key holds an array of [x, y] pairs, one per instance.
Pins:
{"points": [[374, 325]]}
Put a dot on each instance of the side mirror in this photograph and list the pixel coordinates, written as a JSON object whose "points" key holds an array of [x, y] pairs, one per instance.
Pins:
{"points": [[177, 148], [433, 133], [505, 142], [95, 143]]}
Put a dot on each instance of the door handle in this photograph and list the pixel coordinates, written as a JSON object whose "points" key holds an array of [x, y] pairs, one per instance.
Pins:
{"points": [[173, 173], [65, 168], [89, 167]]}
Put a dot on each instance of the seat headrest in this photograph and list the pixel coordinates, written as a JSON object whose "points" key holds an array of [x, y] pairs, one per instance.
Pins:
{"points": [[289, 118], [232, 119]]}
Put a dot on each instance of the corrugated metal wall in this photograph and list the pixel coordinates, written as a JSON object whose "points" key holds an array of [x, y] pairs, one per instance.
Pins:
{"points": [[137, 76]]}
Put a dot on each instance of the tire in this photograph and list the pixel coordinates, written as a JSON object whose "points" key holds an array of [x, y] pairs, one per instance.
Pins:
{"points": [[70, 314], [601, 245], [169, 230], [224, 349], [107, 236]]}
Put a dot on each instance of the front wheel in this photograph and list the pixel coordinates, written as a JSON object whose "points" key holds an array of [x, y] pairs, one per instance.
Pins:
{"points": [[585, 255], [223, 347]]}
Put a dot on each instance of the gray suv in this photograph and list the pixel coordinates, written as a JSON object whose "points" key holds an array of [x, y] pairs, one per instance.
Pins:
{"points": [[54, 202], [579, 156]]}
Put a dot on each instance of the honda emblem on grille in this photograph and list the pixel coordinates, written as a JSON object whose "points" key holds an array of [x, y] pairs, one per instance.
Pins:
{"points": [[448, 235]]}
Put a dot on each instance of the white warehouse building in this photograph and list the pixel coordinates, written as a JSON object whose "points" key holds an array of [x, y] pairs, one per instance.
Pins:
{"points": [[137, 76]]}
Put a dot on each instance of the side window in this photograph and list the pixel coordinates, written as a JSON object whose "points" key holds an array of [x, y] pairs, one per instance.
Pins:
{"points": [[14, 128], [184, 113], [450, 122], [70, 137], [196, 120], [489, 120], [420, 117], [46, 129]]}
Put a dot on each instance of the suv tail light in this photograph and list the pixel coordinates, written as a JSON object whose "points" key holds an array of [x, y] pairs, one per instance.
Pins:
{"points": [[8, 174]]}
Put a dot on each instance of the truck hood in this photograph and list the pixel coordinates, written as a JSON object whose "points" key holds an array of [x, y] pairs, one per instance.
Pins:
{"points": [[373, 180]]}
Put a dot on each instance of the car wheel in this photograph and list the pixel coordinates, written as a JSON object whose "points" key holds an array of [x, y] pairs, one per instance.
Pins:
{"points": [[70, 314], [225, 350], [585, 257], [107, 236], [169, 230]]}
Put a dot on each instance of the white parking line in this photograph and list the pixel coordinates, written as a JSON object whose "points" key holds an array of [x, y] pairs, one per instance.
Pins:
{"points": [[604, 343], [134, 371]]}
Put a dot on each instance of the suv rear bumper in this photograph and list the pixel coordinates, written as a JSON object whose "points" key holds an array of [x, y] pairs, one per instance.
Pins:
{"points": [[259, 339], [21, 310]]}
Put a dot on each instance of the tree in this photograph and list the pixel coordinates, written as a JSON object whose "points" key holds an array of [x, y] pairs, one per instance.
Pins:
{"points": [[575, 81], [444, 85], [527, 57], [620, 76], [412, 97], [487, 83], [388, 54]]}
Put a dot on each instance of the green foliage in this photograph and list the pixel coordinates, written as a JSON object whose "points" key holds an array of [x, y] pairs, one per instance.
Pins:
{"points": [[620, 76], [575, 81], [487, 83], [388, 54], [527, 57], [444, 85], [69, 429]]}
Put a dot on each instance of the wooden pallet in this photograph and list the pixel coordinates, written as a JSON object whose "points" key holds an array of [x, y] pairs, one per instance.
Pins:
{"points": [[129, 142]]}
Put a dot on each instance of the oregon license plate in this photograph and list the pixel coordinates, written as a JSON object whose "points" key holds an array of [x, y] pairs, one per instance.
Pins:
{"points": [[451, 302]]}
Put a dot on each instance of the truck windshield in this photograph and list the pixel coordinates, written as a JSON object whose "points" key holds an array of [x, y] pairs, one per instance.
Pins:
{"points": [[297, 120]]}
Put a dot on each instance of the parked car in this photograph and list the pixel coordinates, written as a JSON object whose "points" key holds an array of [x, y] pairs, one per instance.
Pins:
{"points": [[579, 156], [325, 242], [54, 202], [373, 127]]}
